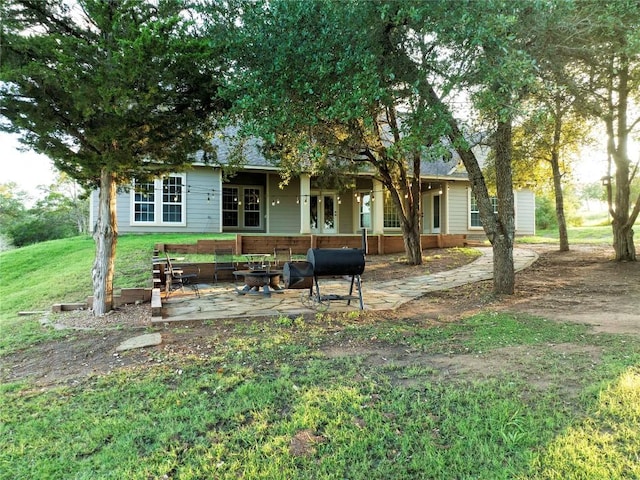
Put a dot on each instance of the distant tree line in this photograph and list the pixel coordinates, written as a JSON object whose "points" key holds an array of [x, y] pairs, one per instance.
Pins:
{"points": [[62, 211]]}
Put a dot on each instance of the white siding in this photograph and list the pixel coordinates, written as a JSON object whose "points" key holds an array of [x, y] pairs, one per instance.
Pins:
{"points": [[284, 217], [525, 206], [458, 194], [202, 202], [203, 207]]}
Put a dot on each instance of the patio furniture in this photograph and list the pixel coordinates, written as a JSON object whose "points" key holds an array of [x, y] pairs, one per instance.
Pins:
{"points": [[281, 255], [223, 259], [176, 279], [258, 261]]}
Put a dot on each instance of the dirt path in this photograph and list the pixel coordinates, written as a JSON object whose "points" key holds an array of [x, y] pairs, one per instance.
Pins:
{"points": [[582, 286]]}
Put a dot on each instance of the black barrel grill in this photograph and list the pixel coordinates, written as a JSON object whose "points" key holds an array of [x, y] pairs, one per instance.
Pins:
{"points": [[326, 262]]}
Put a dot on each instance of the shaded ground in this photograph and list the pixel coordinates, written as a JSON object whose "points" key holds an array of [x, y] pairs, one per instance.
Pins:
{"points": [[582, 285]]}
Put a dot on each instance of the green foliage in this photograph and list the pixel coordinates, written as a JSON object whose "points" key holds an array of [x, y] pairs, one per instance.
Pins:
{"points": [[57, 215], [326, 86], [112, 92], [122, 86], [603, 72], [546, 213], [12, 209]]}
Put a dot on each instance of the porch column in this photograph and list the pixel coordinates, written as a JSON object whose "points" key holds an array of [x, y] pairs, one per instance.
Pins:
{"points": [[445, 214], [377, 208], [217, 200], [305, 193]]}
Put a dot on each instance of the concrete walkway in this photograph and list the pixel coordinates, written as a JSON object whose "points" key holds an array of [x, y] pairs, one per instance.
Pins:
{"points": [[222, 301]]}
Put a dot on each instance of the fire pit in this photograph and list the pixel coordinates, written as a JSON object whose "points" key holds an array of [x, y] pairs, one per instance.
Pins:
{"points": [[254, 280]]}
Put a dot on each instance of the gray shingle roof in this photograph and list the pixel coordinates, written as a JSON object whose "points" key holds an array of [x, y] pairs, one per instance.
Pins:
{"points": [[226, 145]]}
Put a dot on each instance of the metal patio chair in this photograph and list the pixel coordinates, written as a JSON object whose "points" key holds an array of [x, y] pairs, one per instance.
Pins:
{"points": [[177, 279], [224, 259]]}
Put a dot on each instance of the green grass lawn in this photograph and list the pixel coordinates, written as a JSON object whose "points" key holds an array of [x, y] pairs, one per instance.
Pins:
{"points": [[266, 401], [37, 276]]}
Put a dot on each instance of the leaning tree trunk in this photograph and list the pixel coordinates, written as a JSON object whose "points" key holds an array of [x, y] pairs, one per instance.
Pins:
{"points": [[105, 234], [500, 230]]}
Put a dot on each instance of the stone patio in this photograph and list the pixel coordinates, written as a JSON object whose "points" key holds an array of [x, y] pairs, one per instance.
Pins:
{"points": [[222, 300]]}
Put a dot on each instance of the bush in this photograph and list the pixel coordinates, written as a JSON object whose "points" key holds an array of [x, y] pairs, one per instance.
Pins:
{"points": [[36, 229], [545, 214]]}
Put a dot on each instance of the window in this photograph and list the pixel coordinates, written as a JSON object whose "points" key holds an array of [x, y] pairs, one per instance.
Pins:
{"points": [[144, 202], [230, 207], [159, 202], [391, 217], [172, 200], [365, 210], [241, 207], [474, 212], [252, 207]]}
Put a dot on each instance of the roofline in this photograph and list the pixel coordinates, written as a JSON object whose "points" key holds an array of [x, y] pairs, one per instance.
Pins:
{"points": [[270, 168]]}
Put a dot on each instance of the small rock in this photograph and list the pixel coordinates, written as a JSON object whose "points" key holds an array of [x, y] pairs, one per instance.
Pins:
{"points": [[141, 341]]}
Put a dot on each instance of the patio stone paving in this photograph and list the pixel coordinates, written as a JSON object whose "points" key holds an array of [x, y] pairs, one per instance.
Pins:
{"points": [[222, 301]]}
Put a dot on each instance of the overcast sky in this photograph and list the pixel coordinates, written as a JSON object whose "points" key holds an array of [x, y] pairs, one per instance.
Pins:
{"points": [[27, 169]]}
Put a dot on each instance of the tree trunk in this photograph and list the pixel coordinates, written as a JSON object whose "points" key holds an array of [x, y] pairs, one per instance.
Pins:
{"points": [[500, 229], [503, 269], [412, 230], [623, 243], [105, 234], [412, 243], [562, 221], [623, 218], [557, 179]]}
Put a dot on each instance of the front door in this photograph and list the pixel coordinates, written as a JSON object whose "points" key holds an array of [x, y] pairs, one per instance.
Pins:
{"points": [[323, 214], [435, 218]]}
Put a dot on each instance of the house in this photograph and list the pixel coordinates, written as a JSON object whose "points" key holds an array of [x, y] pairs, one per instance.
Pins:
{"points": [[200, 200]]}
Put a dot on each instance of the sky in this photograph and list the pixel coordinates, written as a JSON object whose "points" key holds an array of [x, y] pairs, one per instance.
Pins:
{"points": [[27, 169]]}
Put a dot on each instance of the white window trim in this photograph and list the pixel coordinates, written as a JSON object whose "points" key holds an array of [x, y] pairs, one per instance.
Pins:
{"points": [[469, 197], [157, 209], [384, 227], [359, 194], [434, 194]]}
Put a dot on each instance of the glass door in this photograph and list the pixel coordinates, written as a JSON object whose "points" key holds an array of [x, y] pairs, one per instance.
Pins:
{"points": [[322, 213]]}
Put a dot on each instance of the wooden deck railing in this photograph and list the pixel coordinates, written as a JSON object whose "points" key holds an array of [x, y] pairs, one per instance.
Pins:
{"points": [[299, 244]]}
